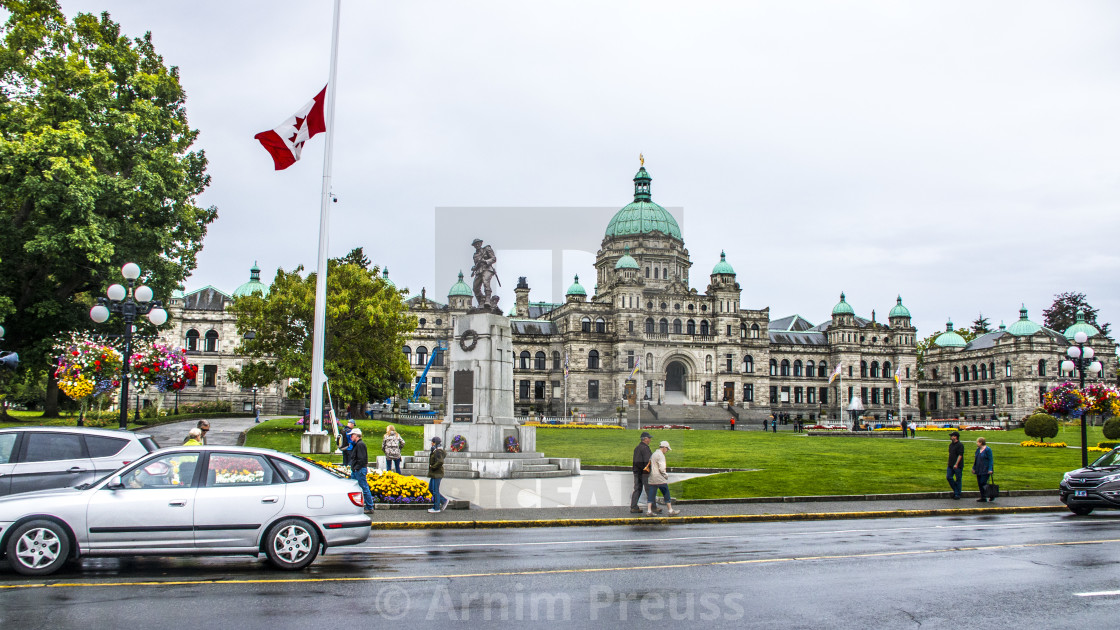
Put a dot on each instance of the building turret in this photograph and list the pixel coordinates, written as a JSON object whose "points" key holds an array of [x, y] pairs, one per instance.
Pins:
{"points": [[460, 296], [521, 298], [899, 316], [576, 292]]}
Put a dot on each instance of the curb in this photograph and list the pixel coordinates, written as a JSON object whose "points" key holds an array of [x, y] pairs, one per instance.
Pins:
{"points": [[729, 518], [825, 498]]}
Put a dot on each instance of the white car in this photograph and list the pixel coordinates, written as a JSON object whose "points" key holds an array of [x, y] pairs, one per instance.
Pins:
{"points": [[190, 500], [41, 458]]}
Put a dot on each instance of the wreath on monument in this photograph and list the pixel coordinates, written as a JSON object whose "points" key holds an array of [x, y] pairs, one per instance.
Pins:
{"points": [[468, 340], [512, 446], [458, 444]]}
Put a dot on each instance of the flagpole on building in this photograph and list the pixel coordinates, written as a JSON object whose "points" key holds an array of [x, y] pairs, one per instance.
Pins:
{"points": [[315, 426]]}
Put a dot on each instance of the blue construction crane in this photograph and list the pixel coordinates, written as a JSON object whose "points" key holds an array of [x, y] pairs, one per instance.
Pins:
{"points": [[440, 347]]}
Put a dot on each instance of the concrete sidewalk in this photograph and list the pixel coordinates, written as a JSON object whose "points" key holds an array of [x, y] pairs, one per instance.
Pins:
{"points": [[223, 431]]}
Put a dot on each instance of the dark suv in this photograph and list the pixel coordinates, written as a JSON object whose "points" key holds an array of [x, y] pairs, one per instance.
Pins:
{"points": [[42, 458], [1097, 486]]}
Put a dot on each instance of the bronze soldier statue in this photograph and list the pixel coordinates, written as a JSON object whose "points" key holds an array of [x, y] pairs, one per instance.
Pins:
{"points": [[483, 271]]}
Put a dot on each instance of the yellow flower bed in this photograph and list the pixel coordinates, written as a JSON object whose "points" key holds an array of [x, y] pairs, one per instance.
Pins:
{"points": [[1043, 444], [574, 425], [389, 487], [1097, 449]]}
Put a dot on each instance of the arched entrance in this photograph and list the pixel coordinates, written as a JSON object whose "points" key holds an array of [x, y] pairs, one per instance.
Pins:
{"points": [[674, 377]]}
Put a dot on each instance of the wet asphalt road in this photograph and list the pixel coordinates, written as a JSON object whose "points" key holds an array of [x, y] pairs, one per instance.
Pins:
{"points": [[1000, 571]]}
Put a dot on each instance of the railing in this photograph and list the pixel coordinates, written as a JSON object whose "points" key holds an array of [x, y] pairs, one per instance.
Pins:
{"points": [[567, 420]]}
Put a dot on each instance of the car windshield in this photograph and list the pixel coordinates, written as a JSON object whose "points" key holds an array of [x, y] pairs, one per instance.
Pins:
{"points": [[326, 466], [1111, 458]]}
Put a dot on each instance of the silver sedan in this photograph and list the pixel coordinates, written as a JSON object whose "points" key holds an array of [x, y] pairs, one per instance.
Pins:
{"points": [[200, 500]]}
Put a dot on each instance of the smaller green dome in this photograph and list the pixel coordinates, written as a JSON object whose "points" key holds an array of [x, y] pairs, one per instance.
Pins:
{"points": [[722, 266], [254, 285], [626, 261], [950, 339], [460, 288], [1081, 326], [1024, 326], [385, 277], [899, 310], [576, 288], [842, 307]]}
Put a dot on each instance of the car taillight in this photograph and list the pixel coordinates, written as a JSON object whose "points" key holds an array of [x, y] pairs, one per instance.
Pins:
{"points": [[356, 499], [125, 463]]}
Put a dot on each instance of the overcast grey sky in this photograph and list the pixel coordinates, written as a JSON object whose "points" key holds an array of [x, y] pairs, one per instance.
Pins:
{"points": [[963, 154]]}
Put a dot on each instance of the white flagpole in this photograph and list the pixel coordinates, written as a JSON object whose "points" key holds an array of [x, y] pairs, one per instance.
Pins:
{"points": [[317, 349]]}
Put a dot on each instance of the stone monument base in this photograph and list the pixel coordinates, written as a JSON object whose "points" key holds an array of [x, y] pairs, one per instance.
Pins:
{"points": [[315, 443]]}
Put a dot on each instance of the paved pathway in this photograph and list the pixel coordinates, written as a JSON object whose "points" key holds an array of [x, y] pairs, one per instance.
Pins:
{"points": [[223, 431]]}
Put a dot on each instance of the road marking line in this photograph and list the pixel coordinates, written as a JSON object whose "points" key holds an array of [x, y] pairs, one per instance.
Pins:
{"points": [[882, 554], [1098, 594]]}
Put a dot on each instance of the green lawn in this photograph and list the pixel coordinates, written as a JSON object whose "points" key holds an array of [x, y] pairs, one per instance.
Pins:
{"points": [[783, 464]]}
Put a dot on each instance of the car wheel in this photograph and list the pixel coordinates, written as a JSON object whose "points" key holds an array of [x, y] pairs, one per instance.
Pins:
{"points": [[1080, 510], [292, 544], [38, 548]]}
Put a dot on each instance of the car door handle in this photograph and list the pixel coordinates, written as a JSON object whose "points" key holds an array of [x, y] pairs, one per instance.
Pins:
{"points": [[177, 503], [270, 499], [77, 469]]}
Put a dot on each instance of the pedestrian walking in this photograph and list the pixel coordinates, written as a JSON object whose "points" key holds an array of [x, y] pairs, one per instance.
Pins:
{"points": [[391, 445], [983, 465], [659, 480], [359, 467], [204, 428], [369, 411], [774, 424], [904, 428], [344, 443], [956, 464], [194, 438], [732, 423], [435, 475], [257, 413], [913, 430], [641, 467]]}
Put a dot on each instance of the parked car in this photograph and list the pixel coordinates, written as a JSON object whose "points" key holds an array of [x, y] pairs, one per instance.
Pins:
{"points": [[1096, 486], [188, 500], [41, 458]]}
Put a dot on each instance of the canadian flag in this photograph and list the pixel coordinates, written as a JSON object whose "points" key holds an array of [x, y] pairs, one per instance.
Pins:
{"points": [[285, 143]]}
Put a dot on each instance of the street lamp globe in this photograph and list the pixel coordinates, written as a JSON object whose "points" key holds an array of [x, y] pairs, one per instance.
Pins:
{"points": [[158, 316], [143, 294], [1, 332], [116, 292], [1080, 337], [1067, 366], [1073, 352], [99, 314], [130, 271], [1094, 367], [1089, 353]]}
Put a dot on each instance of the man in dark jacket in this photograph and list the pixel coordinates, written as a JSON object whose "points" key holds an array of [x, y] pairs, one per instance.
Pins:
{"points": [[983, 466], [344, 443], [956, 464], [641, 473], [359, 466], [435, 475]]}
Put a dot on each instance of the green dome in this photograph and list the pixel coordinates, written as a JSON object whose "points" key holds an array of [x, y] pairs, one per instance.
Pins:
{"points": [[1024, 326], [576, 288], [722, 266], [842, 307], [254, 285], [643, 216], [1081, 326], [899, 310], [626, 261], [385, 277], [460, 288], [950, 339]]}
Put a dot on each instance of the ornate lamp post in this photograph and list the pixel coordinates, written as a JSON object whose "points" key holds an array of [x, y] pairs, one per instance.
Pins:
{"points": [[1080, 357], [130, 302]]}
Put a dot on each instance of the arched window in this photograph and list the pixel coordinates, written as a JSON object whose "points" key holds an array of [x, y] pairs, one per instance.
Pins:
{"points": [[755, 331], [690, 327], [703, 327], [211, 341], [773, 367], [600, 325], [956, 374], [742, 331], [421, 355], [663, 326], [992, 370], [810, 368], [555, 360], [1041, 366], [677, 326], [1007, 368], [983, 371], [887, 369], [748, 364], [797, 368], [822, 369], [785, 367], [708, 363], [192, 339], [655, 269], [408, 354], [423, 322], [649, 324], [874, 369], [539, 361], [964, 371], [585, 324], [437, 357], [935, 374], [974, 373], [593, 360], [863, 369]]}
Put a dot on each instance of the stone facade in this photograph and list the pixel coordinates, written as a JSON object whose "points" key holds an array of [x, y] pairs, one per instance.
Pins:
{"points": [[1004, 373], [692, 347]]}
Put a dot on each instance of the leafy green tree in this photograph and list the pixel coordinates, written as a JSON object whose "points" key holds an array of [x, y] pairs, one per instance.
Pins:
{"points": [[1041, 425], [95, 171], [367, 321], [981, 325], [1063, 313], [254, 374]]}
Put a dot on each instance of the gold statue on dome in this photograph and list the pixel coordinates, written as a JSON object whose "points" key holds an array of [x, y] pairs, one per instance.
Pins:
{"points": [[642, 159]]}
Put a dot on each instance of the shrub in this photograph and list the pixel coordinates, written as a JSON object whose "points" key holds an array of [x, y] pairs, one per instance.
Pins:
{"points": [[1112, 429], [1041, 425], [1107, 446], [216, 406]]}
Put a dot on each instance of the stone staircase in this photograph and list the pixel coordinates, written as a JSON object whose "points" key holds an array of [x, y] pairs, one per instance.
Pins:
{"points": [[697, 416], [470, 465]]}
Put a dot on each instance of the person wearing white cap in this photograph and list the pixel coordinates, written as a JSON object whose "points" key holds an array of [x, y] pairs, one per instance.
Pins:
{"points": [[359, 467], [659, 480]]}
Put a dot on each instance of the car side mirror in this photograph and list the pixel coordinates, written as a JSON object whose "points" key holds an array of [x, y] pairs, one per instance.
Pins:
{"points": [[115, 483]]}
